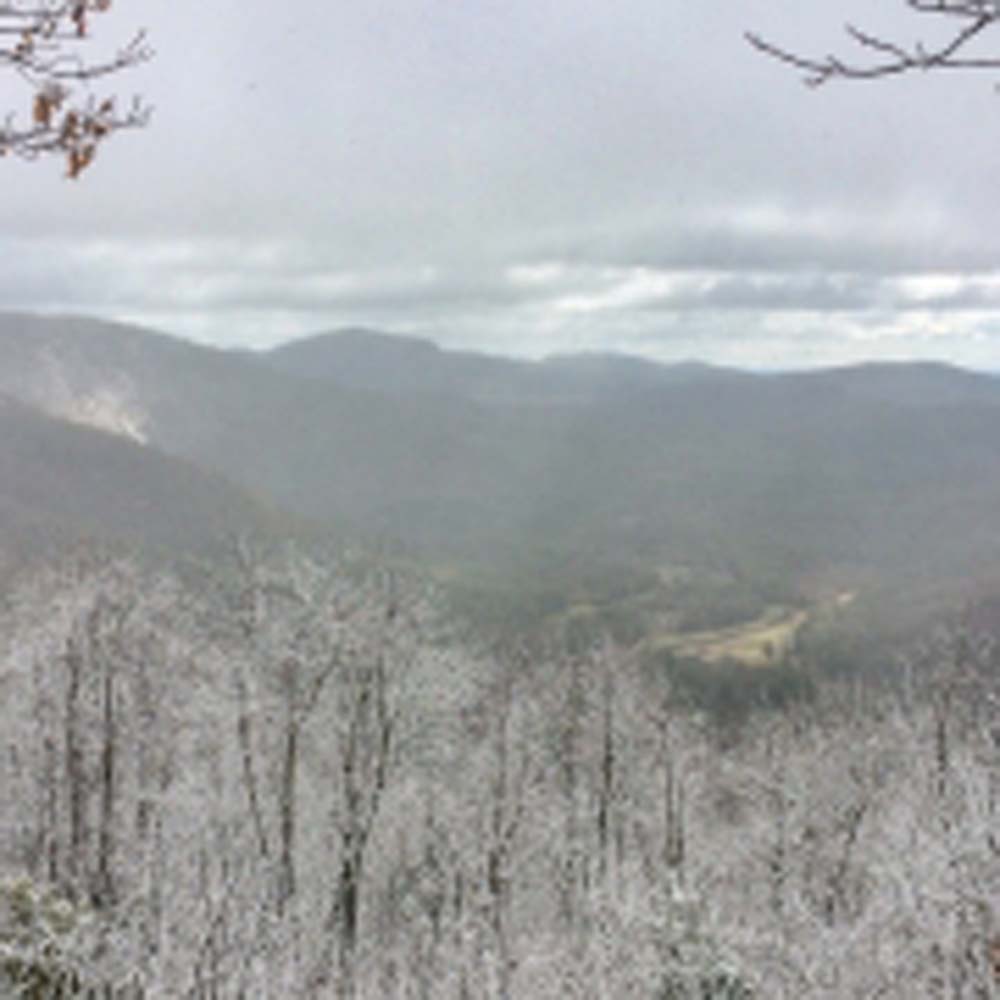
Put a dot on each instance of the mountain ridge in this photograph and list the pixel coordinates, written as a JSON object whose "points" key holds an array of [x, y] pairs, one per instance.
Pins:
{"points": [[340, 353], [504, 463]]}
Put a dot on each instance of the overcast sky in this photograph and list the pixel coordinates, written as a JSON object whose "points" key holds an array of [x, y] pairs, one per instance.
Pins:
{"points": [[528, 177]]}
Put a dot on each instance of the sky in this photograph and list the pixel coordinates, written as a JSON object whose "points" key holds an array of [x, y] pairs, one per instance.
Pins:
{"points": [[528, 177]]}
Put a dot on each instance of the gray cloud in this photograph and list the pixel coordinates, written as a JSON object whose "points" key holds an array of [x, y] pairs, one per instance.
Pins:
{"points": [[630, 177]]}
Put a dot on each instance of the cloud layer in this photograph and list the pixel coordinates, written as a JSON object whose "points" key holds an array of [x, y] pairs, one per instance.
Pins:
{"points": [[506, 177]]}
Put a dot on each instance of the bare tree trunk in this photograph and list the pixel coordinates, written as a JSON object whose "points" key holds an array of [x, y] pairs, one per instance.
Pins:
{"points": [[146, 718], [104, 885], [606, 789], [572, 875], [779, 860], [349, 897], [244, 734], [673, 804], [504, 821], [76, 778], [365, 749], [942, 743], [49, 832], [287, 793]]}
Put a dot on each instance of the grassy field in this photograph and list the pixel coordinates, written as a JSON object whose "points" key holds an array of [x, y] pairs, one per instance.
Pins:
{"points": [[758, 643]]}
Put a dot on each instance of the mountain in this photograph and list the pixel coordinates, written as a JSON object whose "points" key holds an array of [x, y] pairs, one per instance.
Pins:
{"points": [[470, 459], [921, 384], [372, 462], [596, 374], [60, 482], [369, 359]]}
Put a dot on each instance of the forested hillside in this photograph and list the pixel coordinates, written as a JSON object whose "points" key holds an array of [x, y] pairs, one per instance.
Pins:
{"points": [[539, 490], [473, 458]]}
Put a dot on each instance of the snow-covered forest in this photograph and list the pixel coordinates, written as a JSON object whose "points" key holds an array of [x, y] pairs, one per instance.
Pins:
{"points": [[284, 778]]}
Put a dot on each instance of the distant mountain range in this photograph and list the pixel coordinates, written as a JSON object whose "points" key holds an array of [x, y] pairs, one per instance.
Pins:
{"points": [[369, 359], [470, 459]]}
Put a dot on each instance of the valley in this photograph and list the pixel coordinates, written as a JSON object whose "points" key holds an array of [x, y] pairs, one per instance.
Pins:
{"points": [[541, 494], [761, 642]]}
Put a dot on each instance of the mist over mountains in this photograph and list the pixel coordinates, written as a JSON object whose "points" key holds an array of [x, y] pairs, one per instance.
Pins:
{"points": [[61, 481], [472, 460]]}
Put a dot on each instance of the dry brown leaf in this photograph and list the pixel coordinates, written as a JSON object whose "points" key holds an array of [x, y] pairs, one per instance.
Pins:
{"points": [[41, 111]]}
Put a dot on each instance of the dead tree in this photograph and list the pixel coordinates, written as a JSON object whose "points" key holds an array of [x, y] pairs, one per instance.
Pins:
{"points": [[969, 21], [42, 42]]}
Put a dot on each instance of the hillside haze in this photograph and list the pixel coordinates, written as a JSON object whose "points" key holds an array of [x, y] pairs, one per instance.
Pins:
{"points": [[61, 482], [474, 461]]}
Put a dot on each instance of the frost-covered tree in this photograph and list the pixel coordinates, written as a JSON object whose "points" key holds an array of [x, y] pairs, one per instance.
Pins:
{"points": [[284, 776]]}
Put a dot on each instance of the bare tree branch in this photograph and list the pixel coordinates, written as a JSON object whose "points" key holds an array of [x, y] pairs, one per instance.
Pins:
{"points": [[41, 41], [889, 58]]}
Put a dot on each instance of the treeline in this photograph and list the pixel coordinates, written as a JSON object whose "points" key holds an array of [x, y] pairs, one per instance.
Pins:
{"points": [[277, 777]]}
